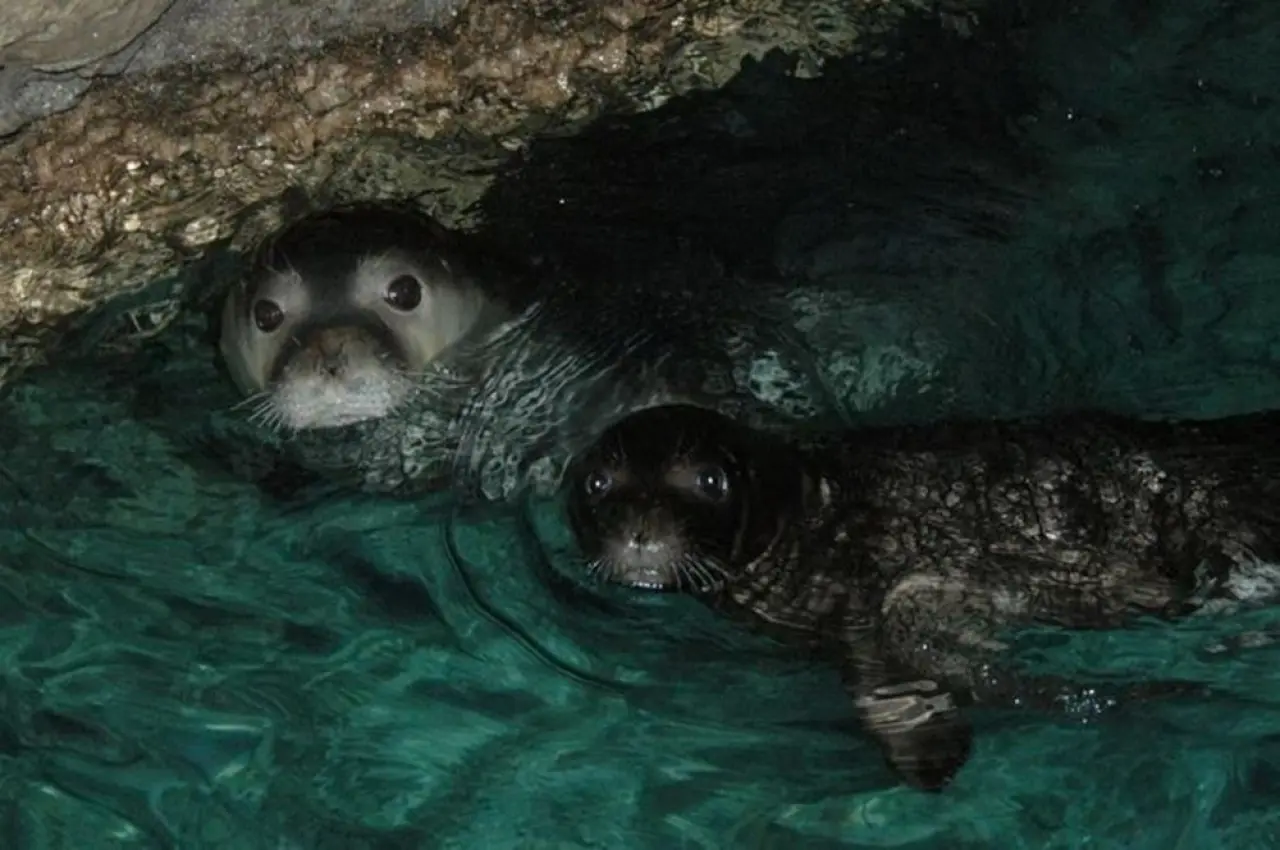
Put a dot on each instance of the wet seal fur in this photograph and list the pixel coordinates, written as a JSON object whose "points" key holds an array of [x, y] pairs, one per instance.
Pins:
{"points": [[903, 553]]}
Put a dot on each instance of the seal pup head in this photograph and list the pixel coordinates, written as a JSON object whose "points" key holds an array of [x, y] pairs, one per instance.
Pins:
{"points": [[342, 310], [680, 498]]}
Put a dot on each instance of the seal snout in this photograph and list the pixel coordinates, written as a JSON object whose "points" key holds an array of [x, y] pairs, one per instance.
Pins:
{"points": [[644, 549], [330, 350], [334, 354], [336, 376]]}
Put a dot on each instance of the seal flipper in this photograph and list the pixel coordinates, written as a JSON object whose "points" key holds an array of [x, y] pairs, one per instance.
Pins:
{"points": [[935, 650], [922, 732]]}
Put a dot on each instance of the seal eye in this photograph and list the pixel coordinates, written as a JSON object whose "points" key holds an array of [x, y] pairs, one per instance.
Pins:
{"points": [[598, 483], [267, 315], [712, 483], [404, 293]]}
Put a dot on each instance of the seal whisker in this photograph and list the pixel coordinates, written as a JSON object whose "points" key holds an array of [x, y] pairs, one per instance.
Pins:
{"points": [[599, 569], [262, 401], [251, 400], [266, 414], [700, 572], [714, 574], [700, 579], [718, 570], [679, 573], [260, 414], [271, 418]]}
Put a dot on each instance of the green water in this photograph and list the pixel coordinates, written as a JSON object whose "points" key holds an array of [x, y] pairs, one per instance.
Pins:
{"points": [[191, 664]]}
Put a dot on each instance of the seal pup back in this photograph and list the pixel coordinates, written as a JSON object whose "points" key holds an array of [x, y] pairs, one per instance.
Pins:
{"points": [[342, 310], [902, 554]]}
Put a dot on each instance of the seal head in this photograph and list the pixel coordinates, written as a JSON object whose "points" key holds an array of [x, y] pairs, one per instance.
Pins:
{"points": [[341, 312], [678, 497]]}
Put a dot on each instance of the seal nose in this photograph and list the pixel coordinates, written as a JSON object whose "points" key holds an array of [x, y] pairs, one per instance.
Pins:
{"points": [[633, 532], [330, 345], [646, 533], [330, 342]]}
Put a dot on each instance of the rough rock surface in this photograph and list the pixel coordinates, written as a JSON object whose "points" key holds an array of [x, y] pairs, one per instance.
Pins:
{"points": [[69, 34], [123, 191], [50, 51]]}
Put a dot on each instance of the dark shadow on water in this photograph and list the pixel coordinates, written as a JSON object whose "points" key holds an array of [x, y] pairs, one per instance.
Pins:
{"points": [[720, 170]]}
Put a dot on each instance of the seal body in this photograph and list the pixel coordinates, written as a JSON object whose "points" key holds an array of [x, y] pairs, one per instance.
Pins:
{"points": [[904, 553]]}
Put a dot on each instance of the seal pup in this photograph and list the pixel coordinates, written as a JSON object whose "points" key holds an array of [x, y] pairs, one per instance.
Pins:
{"points": [[903, 553]]}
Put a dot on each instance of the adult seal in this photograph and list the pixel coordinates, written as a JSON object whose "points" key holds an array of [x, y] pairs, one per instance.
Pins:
{"points": [[903, 553]]}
